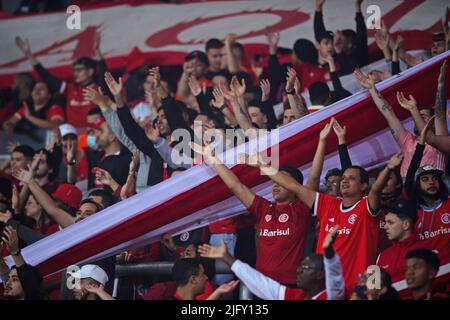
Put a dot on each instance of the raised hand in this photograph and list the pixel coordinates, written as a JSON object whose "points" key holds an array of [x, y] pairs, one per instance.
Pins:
{"points": [[94, 289], [398, 44], [339, 131], [291, 79], [71, 152], [408, 104], [254, 160], [23, 45], [10, 238], [26, 176], [189, 67], [36, 160], [382, 39], [227, 287], [194, 86], [265, 89], [227, 94], [366, 81], [156, 76], [206, 152], [103, 177], [331, 237], [94, 96], [230, 38], [218, 101], [208, 251], [395, 161], [325, 132], [152, 132], [167, 240], [238, 88], [114, 86], [319, 5], [273, 38]]}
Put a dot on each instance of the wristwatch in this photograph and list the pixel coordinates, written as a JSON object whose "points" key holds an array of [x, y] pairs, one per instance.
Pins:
{"points": [[222, 108], [71, 162], [289, 92], [15, 253]]}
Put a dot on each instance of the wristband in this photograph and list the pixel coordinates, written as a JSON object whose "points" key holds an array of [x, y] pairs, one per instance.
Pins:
{"points": [[222, 108], [15, 253]]}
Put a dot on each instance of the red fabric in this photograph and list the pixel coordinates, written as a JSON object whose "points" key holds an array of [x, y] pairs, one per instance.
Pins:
{"points": [[309, 73], [429, 296], [281, 238], [223, 226], [55, 111], [77, 107], [393, 258], [363, 117], [438, 238], [146, 254], [163, 290], [383, 240], [357, 240], [299, 294]]}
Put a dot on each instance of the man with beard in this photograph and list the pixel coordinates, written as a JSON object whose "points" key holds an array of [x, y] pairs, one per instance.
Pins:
{"points": [[90, 283]]}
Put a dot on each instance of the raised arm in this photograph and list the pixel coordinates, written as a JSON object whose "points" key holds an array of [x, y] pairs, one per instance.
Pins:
{"points": [[319, 26], [53, 82], [383, 106], [60, 216], [307, 196], [293, 91], [411, 105], [375, 191], [339, 90], [362, 49], [334, 277], [232, 63], [313, 182], [219, 103], [260, 285], [344, 156], [440, 106]]}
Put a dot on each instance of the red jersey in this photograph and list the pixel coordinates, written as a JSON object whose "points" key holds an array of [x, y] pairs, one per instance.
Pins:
{"points": [[433, 227], [281, 239], [53, 112], [393, 258], [223, 226], [357, 239], [310, 73], [77, 106], [299, 294]]}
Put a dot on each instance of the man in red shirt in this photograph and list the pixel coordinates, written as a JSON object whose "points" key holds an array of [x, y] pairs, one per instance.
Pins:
{"points": [[282, 225], [400, 220], [357, 214], [77, 106], [433, 224]]}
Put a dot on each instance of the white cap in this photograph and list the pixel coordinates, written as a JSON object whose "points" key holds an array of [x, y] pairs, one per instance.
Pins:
{"points": [[66, 129], [94, 272]]}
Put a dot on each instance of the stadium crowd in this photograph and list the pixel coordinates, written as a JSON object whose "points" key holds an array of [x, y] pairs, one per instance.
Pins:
{"points": [[113, 137]]}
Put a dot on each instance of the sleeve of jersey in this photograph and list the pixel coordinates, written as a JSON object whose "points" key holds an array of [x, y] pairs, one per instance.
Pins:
{"points": [[334, 278], [257, 283], [371, 212], [320, 204], [259, 206], [55, 111]]}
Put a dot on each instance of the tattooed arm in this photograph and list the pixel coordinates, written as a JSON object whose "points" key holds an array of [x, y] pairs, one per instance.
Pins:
{"points": [[440, 106]]}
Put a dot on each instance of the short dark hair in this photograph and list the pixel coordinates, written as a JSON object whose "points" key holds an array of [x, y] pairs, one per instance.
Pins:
{"points": [[333, 172], [86, 62], [94, 111], [319, 93], [97, 206], [305, 51], [363, 174], [214, 43], [183, 269], [27, 151], [199, 55], [108, 199], [350, 34], [430, 257], [293, 172]]}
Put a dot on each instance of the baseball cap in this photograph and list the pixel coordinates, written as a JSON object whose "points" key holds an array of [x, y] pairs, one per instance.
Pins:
{"points": [[94, 272], [404, 209], [68, 194], [66, 129], [427, 169], [98, 123], [325, 35]]}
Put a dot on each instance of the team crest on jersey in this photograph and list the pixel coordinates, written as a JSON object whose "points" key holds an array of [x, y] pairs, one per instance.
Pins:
{"points": [[283, 218], [445, 218], [184, 236], [268, 217], [352, 219]]}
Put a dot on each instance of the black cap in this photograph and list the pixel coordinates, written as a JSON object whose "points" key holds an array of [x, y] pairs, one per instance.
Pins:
{"points": [[404, 209], [325, 35], [197, 54]]}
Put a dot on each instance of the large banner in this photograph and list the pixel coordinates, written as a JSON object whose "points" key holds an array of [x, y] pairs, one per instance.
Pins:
{"points": [[164, 33], [198, 197]]}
